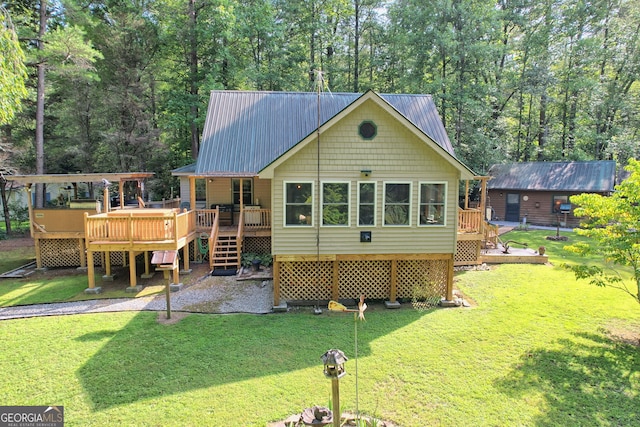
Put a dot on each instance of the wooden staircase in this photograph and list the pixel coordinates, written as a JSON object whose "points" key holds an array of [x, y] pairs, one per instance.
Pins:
{"points": [[226, 255]]}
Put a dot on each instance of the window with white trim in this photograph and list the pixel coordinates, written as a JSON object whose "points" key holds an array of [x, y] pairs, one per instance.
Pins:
{"points": [[432, 210], [366, 204], [335, 204], [397, 203], [298, 203]]}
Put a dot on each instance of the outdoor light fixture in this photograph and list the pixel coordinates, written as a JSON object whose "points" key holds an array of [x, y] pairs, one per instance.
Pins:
{"points": [[366, 172]]}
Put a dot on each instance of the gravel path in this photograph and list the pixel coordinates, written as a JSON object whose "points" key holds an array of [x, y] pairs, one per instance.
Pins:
{"points": [[209, 294]]}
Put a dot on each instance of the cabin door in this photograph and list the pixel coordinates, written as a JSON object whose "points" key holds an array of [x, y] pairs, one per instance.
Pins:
{"points": [[512, 212]]}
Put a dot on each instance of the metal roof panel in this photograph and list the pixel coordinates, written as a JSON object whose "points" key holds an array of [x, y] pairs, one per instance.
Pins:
{"points": [[244, 131], [593, 176]]}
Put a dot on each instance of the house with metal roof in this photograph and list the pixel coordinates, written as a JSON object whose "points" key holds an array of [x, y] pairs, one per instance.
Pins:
{"points": [[352, 194], [540, 191]]}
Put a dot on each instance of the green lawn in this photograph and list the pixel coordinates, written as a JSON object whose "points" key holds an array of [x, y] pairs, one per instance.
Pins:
{"points": [[536, 349]]}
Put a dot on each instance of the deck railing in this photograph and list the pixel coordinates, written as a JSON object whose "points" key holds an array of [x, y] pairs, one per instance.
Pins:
{"points": [[257, 219], [138, 226], [205, 218], [469, 221]]}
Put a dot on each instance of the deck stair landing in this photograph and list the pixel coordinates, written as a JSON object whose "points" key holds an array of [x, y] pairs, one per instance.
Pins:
{"points": [[226, 254]]}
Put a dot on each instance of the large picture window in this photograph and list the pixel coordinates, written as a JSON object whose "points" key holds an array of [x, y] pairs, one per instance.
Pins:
{"points": [[397, 203], [432, 203], [367, 204], [298, 203]]}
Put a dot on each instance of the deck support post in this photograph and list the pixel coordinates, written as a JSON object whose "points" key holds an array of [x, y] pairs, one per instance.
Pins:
{"points": [[91, 278], [108, 277], [185, 252], [335, 287], [38, 254], [147, 267], [393, 288], [448, 301], [277, 306], [133, 280], [83, 256]]}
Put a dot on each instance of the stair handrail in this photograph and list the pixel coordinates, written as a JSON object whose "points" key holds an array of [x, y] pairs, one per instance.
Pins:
{"points": [[213, 236], [240, 236]]}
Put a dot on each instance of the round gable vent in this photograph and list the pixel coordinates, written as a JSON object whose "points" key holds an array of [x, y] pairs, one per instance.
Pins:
{"points": [[367, 129]]}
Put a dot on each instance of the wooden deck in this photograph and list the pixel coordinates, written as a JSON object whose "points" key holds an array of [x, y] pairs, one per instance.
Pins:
{"points": [[138, 231]]}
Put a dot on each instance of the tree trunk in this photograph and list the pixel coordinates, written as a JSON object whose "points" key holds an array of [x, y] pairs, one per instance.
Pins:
{"points": [[39, 141], [356, 46], [5, 207], [542, 126], [193, 83]]}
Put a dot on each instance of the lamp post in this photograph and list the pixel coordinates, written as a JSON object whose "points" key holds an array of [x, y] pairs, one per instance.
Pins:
{"points": [[333, 361]]}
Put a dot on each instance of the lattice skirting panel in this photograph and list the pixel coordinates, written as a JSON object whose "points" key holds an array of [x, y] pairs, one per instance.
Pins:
{"points": [[467, 252], [306, 280], [350, 278], [118, 258], [367, 277], [418, 279], [59, 252], [258, 245]]}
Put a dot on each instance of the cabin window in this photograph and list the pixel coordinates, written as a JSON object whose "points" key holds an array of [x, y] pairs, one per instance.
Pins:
{"points": [[367, 204], [335, 203], [397, 203], [557, 201], [247, 191], [298, 207], [432, 203]]}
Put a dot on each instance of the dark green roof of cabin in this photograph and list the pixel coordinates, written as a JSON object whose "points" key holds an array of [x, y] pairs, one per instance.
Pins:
{"points": [[588, 177]]}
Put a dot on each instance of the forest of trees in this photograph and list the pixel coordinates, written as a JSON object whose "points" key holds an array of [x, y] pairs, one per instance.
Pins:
{"points": [[119, 85]]}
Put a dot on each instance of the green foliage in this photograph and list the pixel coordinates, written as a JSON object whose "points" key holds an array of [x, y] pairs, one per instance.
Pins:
{"points": [[12, 69], [128, 82], [613, 225], [248, 258]]}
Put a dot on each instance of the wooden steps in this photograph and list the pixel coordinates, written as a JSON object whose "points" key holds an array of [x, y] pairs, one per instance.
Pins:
{"points": [[226, 254]]}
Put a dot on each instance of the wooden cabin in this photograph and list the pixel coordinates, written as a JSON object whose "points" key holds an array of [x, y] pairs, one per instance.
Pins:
{"points": [[540, 191], [352, 194]]}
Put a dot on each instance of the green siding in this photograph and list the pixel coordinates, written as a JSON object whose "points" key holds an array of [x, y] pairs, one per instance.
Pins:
{"points": [[396, 154]]}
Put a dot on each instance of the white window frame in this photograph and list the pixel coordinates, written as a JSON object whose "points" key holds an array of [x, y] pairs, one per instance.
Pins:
{"points": [[444, 205], [322, 224], [384, 203], [375, 204], [285, 204]]}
